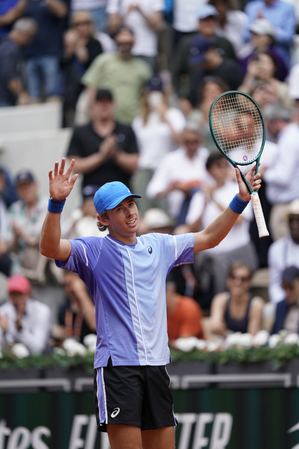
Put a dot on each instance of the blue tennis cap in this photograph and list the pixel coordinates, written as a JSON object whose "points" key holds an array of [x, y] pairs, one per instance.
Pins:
{"points": [[111, 195]]}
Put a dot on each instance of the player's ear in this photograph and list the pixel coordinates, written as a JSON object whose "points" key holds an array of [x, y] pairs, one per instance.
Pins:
{"points": [[103, 219]]}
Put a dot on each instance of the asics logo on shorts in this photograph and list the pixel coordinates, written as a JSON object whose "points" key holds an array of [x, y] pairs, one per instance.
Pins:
{"points": [[115, 412]]}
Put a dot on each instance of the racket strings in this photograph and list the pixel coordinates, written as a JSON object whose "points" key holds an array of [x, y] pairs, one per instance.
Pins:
{"points": [[238, 127]]}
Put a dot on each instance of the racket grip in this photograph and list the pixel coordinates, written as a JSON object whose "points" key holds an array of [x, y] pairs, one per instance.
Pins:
{"points": [[259, 216]]}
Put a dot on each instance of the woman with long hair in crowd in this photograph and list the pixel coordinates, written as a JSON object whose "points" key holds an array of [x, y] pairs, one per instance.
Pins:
{"points": [[236, 310]]}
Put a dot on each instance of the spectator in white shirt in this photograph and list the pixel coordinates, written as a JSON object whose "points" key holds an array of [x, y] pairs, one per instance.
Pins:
{"points": [[23, 319], [25, 218], [181, 173], [158, 129], [144, 17], [284, 253], [211, 266], [283, 177]]}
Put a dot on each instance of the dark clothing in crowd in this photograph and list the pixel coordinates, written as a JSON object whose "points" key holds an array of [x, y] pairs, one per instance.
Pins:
{"points": [[74, 324], [229, 71], [85, 142], [48, 39], [72, 72], [235, 325], [282, 309], [184, 56], [5, 6], [10, 57]]}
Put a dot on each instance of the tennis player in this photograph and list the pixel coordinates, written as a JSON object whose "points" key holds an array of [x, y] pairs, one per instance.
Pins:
{"points": [[126, 276]]}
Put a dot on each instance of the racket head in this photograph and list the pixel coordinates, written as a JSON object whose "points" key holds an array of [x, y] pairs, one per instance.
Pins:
{"points": [[237, 127]]}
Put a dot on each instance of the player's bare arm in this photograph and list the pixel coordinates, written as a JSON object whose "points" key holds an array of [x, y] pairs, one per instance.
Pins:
{"points": [[60, 186], [219, 228]]}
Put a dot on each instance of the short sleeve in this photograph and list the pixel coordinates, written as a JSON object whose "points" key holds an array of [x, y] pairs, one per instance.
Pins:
{"points": [[84, 255], [177, 249], [184, 248]]}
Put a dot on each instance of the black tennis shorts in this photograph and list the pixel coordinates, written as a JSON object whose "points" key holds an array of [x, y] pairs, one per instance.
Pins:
{"points": [[133, 395]]}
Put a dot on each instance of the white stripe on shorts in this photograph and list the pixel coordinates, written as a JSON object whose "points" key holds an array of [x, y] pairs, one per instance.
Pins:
{"points": [[105, 399]]}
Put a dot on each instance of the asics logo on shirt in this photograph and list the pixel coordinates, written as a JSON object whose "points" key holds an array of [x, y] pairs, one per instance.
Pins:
{"points": [[115, 412], [150, 249]]}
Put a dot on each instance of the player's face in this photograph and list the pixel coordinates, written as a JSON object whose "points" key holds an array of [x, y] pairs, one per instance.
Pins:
{"points": [[123, 221]]}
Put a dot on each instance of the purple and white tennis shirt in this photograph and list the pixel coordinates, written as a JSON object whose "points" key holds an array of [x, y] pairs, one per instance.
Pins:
{"points": [[127, 285]]}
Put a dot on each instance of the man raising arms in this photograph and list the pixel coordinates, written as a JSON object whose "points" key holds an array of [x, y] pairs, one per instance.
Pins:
{"points": [[126, 276]]}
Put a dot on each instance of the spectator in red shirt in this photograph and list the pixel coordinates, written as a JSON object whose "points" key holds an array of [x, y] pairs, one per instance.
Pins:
{"points": [[184, 315]]}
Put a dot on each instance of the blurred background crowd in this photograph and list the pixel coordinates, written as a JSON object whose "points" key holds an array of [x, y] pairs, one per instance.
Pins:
{"points": [[133, 82]]}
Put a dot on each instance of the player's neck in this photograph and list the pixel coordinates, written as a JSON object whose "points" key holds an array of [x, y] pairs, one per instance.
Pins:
{"points": [[125, 239]]}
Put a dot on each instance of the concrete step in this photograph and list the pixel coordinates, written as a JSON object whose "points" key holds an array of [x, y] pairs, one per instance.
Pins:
{"points": [[37, 151], [30, 118]]}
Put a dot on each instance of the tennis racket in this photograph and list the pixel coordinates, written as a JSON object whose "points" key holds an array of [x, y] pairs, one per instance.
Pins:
{"points": [[238, 129]]}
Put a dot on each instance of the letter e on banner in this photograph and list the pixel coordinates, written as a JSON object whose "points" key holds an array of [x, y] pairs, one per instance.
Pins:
{"points": [[221, 430]]}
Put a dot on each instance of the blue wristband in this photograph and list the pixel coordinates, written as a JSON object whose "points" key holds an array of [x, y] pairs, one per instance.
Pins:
{"points": [[237, 205], [55, 207]]}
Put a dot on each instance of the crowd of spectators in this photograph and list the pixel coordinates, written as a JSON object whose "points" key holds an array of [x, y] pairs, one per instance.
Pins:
{"points": [[136, 80]]}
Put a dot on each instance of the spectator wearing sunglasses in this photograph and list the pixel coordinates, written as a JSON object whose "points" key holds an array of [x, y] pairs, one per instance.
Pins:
{"points": [[236, 310], [287, 310]]}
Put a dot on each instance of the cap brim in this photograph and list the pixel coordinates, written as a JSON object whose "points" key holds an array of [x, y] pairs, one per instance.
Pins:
{"points": [[117, 201]]}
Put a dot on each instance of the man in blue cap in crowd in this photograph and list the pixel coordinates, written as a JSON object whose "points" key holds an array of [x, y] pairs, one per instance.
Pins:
{"points": [[126, 275]]}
